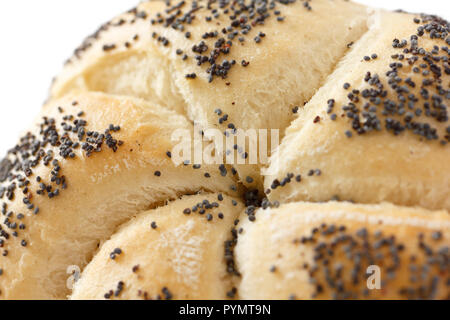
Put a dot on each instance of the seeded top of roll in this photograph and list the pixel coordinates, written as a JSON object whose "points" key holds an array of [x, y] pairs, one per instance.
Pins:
{"points": [[245, 19], [66, 138], [425, 92]]}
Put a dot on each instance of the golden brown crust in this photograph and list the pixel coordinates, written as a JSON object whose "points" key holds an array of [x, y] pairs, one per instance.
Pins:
{"points": [[305, 251]]}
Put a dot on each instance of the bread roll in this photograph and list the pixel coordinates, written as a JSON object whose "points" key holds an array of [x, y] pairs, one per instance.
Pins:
{"points": [[359, 97], [150, 52], [386, 141], [172, 252], [323, 251], [60, 200]]}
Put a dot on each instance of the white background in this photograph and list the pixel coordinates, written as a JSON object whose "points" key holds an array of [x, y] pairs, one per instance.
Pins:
{"points": [[36, 37]]}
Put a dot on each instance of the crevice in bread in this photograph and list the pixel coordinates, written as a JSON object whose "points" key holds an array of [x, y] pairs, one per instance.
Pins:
{"points": [[379, 123]]}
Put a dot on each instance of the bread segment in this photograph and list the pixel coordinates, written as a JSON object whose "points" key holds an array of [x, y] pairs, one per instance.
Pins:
{"points": [[176, 251], [323, 251], [378, 129]]}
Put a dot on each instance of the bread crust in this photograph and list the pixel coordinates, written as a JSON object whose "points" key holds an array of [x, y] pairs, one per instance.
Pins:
{"points": [[250, 96], [406, 166], [104, 189], [171, 252], [288, 251], [359, 97]]}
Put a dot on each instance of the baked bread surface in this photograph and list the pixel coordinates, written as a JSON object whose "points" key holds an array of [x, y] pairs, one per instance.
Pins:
{"points": [[378, 129], [359, 97], [60, 203], [323, 251], [172, 252], [266, 66]]}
